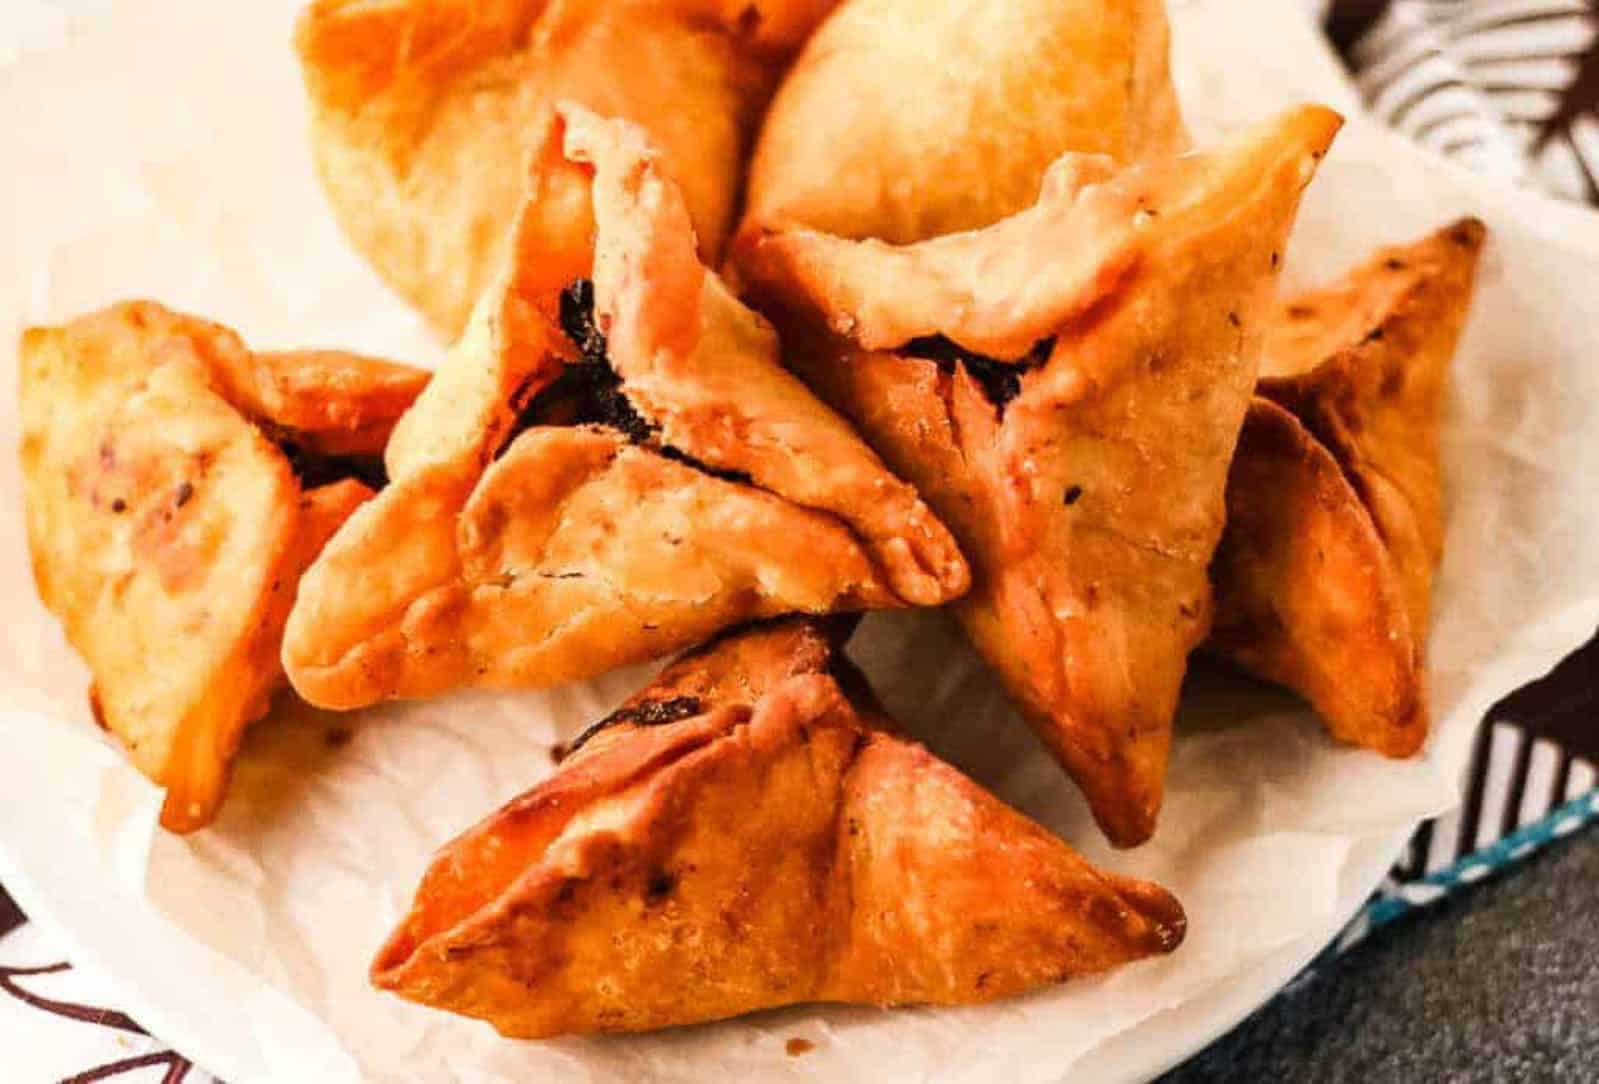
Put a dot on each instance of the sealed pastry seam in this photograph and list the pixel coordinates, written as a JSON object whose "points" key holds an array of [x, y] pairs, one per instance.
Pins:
{"points": [[176, 487], [611, 465], [1066, 387], [775, 845], [910, 119], [1361, 363], [423, 112]]}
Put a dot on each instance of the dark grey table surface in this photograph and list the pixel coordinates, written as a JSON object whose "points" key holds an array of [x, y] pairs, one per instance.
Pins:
{"points": [[1498, 983]]}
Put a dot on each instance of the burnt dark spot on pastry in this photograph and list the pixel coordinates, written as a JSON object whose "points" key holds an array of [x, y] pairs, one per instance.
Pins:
{"points": [[589, 391], [677, 454], [577, 321], [1234, 319], [559, 752], [119, 506], [586, 393], [337, 737], [659, 886], [183, 494], [1393, 381], [1300, 312], [315, 469], [1073, 495], [1000, 380], [1373, 336], [643, 713], [1276, 259], [1394, 263], [1468, 233], [655, 712]]}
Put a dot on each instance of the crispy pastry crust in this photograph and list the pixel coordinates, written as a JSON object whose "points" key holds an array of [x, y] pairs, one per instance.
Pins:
{"points": [[767, 844], [1090, 496], [1308, 595], [423, 112], [1324, 582], [1363, 363], [168, 532], [908, 119], [506, 554]]}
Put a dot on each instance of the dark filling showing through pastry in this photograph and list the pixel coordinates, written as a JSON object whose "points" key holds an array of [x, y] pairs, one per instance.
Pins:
{"points": [[589, 391], [1001, 381], [315, 469], [643, 713]]}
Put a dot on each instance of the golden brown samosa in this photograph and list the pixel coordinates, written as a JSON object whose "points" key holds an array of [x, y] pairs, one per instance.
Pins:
{"points": [[906, 119], [611, 465], [176, 486], [1065, 388], [747, 832], [1363, 362], [1324, 575], [1307, 594], [423, 113]]}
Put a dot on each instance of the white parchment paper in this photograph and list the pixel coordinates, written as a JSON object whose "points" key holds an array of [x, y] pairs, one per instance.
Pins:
{"points": [[158, 151]]}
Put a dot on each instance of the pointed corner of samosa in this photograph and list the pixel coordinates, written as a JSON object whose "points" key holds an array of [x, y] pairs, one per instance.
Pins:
{"points": [[1126, 795]]}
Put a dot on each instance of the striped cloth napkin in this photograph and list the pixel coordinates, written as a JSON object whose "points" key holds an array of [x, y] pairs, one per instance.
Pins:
{"points": [[1507, 87]]}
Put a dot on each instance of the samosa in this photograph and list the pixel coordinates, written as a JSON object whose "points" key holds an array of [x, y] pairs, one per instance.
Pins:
{"points": [[1335, 522], [424, 111], [748, 832], [1066, 387], [176, 486], [611, 465], [907, 119]]}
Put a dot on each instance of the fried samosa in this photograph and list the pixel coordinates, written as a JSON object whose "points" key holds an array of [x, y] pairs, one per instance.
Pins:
{"points": [[176, 487], [908, 119], [747, 832], [423, 113], [1066, 387], [611, 465], [1335, 523]]}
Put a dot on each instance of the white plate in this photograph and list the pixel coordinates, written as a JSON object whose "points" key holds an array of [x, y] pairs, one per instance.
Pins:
{"points": [[159, 152]]}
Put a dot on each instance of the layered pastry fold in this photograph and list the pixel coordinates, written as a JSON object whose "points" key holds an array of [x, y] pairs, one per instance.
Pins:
{"points": [[908, 119], [1066, 388], [423, 113], [745, 833], [610, 466], [176, 486], [1334, 507]]}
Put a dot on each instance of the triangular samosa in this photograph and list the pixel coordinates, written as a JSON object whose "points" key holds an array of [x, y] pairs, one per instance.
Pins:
{"points": [[746, 833], [1335, 521], [907, 119], [1065, 388], [423, 113], [611, 465], [176, 487]]}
